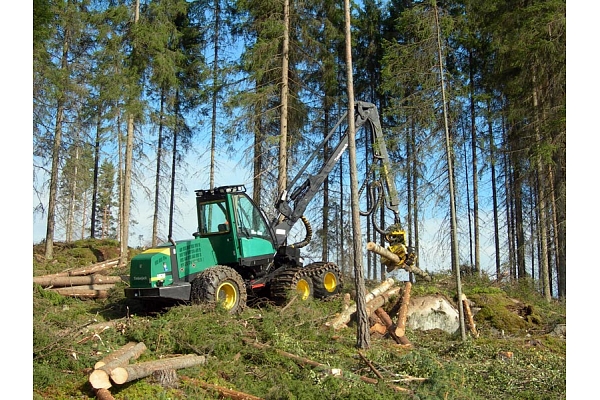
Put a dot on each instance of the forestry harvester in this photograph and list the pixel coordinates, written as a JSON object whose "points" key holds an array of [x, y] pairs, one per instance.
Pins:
{"points": [[237, 253]]}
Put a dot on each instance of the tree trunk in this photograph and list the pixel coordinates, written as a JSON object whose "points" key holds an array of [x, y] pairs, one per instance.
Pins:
{"points": [[56, 146], [474, 165], [492, 145], [84, 292], [215, 93], [363, 340], [96, 172], [159, 157], [128, 173], [542, 205], [62, 281], [449, 152], [402, 313], [132, 372], [282, 182]]}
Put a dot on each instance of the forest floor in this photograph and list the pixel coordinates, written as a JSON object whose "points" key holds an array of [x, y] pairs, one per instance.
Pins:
{"points": [[274, 352]]}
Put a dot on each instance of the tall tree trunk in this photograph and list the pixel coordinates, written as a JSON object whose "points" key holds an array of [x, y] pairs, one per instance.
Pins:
{"points": [[84, 213], [215, 93], [325, 236], [474, 165], [449, 152], [128, 173], [174, 164], [542, 206], [72, 195], [468, 194], [159, 155], [363, 339], [282, 181], [60, 114], [517, 186], [96, 173], [492, 145], [127, 191]]}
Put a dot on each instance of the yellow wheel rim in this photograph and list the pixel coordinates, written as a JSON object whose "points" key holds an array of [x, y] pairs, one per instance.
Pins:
{"points": [[303, 288], [330, 281], [227, 295]]}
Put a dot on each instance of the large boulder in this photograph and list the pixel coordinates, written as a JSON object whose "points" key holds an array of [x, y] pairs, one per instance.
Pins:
{"points": [[432, 312]]}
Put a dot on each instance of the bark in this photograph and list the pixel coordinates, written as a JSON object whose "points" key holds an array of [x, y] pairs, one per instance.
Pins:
{"points": [[166, 378], [342, 319], [383, 252], [62, 281], [103, 394], [401, 324], [132, 372]]}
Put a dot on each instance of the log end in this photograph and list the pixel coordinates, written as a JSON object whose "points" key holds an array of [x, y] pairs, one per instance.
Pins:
{"points": [[119, 375], [99, 379]]}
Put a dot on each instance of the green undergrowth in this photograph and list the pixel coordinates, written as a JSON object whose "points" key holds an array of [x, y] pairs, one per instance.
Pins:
{"points": [[288, 352]]}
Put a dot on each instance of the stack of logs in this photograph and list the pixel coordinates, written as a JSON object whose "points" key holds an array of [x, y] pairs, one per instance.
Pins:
{"points": [[381, 321], [116, 369], [85, 282]]}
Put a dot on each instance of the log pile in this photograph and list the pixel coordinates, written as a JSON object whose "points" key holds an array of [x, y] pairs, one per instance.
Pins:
{"points": [[90, 282], [115, 368]]}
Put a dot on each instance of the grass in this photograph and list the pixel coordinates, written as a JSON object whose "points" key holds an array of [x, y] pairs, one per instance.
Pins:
{"points": [[511, 319]]}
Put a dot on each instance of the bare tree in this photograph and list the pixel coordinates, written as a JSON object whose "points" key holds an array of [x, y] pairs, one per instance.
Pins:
{"points": [[363, 340]]}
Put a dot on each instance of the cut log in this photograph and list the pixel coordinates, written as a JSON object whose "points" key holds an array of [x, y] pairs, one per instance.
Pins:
{"points": [[119, 353], [401, 322], [82, 293], [223, 392], [469, 317], [104, 394], [100, 377], [132, 372], [344, 317], [62, 281], [381, 299], [379, 328], [69, 289], [88, 269], [385, 318], [383, 252]]}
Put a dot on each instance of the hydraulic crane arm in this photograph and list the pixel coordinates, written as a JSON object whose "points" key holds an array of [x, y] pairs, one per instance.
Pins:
{"points": [[292, 207]]}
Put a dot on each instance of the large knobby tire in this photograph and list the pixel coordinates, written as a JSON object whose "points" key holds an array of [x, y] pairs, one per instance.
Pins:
{"points": [[221, 286], [327, 279], [289, 282]]}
